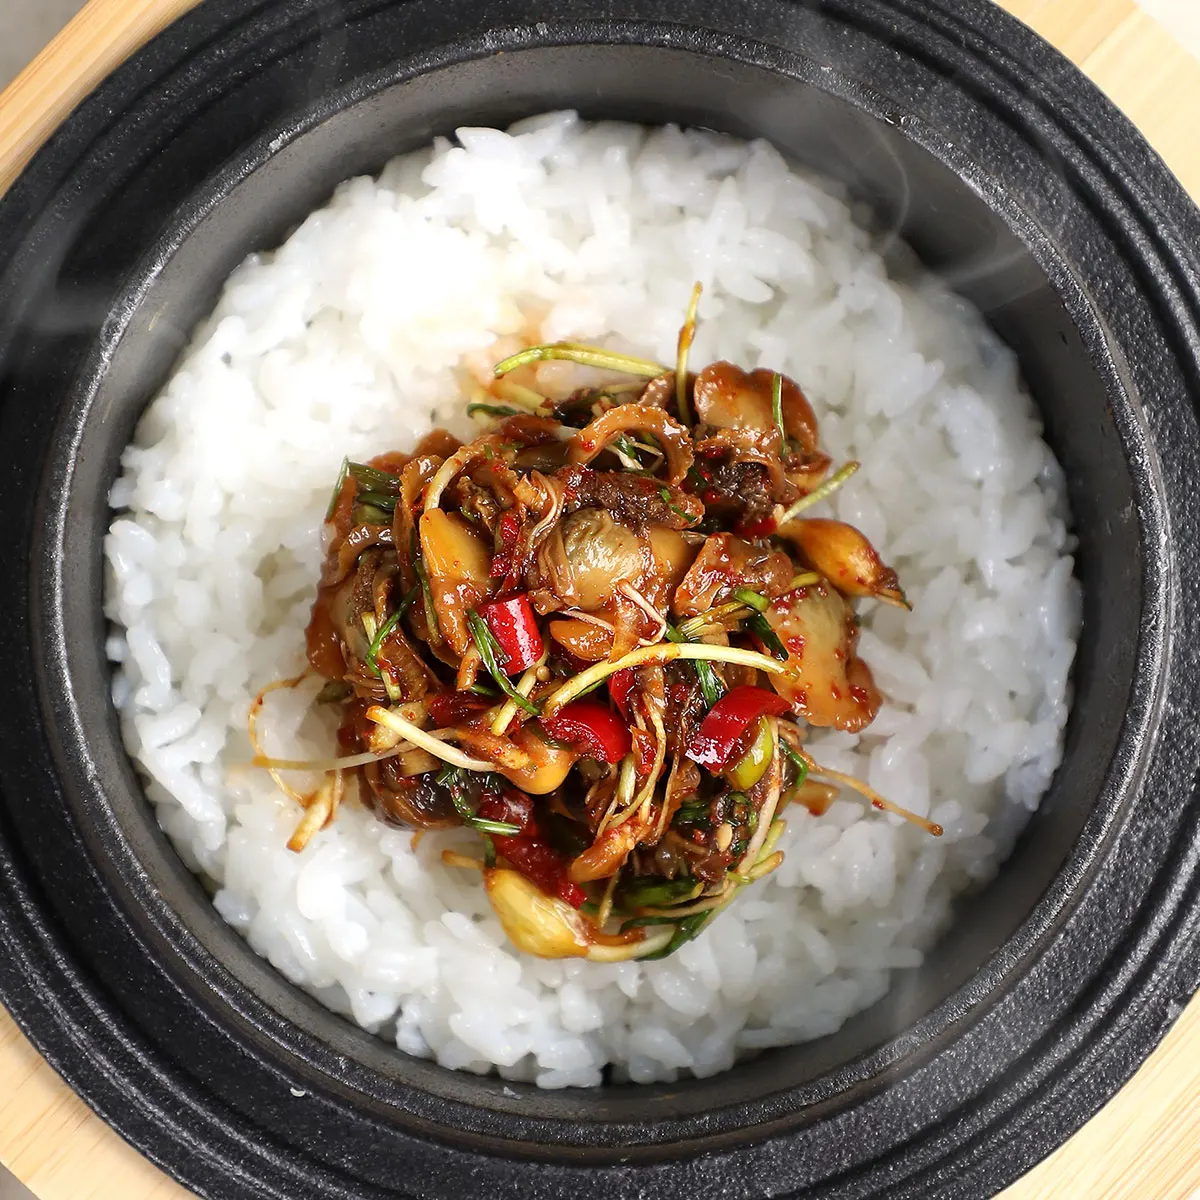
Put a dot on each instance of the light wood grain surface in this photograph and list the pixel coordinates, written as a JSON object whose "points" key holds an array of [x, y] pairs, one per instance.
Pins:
{"points": [[1144, 1145]]}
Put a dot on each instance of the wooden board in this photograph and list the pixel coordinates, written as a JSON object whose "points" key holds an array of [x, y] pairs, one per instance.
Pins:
{"points": [[1144, 1145]]}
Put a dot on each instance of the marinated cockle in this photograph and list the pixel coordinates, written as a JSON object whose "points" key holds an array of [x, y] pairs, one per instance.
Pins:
{"points": [[596, 634]]}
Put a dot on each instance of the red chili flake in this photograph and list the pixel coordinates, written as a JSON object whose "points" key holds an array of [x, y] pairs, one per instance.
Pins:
{"points": [[795, 645], [860, 696]]}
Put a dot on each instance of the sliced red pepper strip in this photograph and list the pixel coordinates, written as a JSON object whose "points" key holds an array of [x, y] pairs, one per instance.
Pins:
{"points": [[620, 684], [538, 861], [593, 726], [721, 731], [513, 624]]}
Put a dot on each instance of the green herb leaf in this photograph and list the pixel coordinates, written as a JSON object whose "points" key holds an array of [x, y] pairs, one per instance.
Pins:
{"points": [[492, 655]]}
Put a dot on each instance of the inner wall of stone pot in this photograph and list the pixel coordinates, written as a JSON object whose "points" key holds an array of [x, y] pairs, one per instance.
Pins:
{"points": [[951, 228]]}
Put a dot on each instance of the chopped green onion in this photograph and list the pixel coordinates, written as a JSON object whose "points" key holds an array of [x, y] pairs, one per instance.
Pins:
{"points": [[335, 691], [490, 651], [685, 931], [799, 763], [710, 684], [337, 488], [588, 356], [493, 410], [751, 599], [373, 479], [830, 486], [482, 689], [777, 406], [656, 892], [489, 851], [693, 812], [383, 501], [493, 828], [451, 778], [643, 922], [626, 451], [665, 494], [369, 514], [382, 632], [761, 628], [431, 620]]}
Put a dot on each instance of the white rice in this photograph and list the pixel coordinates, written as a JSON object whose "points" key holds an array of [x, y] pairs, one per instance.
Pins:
{"points": [[342, 342]]}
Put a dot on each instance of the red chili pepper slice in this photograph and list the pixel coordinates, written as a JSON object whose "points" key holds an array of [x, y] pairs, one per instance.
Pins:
{"points": [[593, 726], [620, 684], [538, 861], [513, 624], [721, 731]]}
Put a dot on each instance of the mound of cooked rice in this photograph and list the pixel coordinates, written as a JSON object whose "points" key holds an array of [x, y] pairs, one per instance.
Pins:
{"points": [[344, 341]]}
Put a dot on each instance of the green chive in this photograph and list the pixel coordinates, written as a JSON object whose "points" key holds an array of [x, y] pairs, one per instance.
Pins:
{"points": [[800, 764], [387, 627], [777, 405], [373, 479], [655, 892], [453, 779], [337, 488], [642, 922], [381, 501], [769, 638], [830, 485], [493, 828], [685, 931], [710, 684], [489, 650], [751, 599], [588, 356], [493, 410], [431, 620]]}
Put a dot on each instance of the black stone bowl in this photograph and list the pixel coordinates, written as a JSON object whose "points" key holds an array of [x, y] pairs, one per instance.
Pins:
{"points": [[1010, 175]]}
